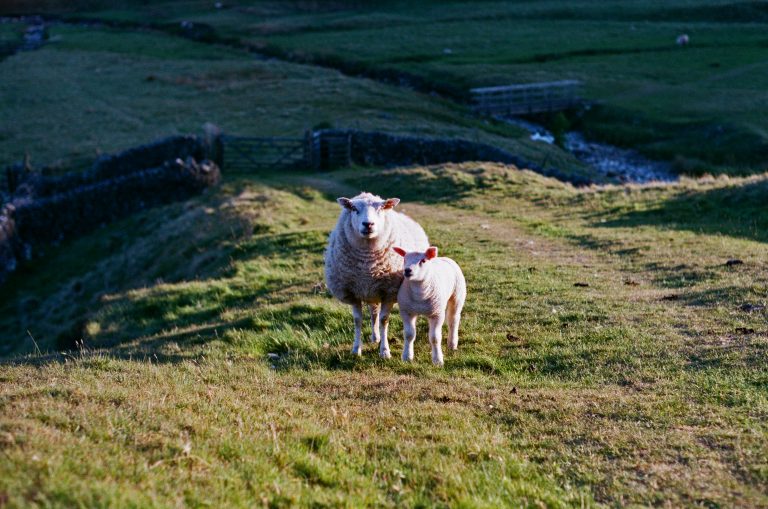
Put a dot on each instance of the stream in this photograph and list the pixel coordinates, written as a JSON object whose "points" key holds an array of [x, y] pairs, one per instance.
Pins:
{"points": [[622, 164]]}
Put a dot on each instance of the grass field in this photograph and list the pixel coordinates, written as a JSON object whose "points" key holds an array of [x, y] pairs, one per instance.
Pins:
{"points": [[146, 85], [226, 378], [612, 352], [701, 106]]}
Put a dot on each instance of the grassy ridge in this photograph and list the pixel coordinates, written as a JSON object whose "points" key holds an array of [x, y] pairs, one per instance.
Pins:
{"points": [[230, 379]]}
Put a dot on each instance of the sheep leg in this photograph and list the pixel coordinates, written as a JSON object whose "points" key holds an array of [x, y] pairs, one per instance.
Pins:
{"points": [[357, 314], [436, 338], [453, 317], [409, 333], [374, 310], [386, 308]]}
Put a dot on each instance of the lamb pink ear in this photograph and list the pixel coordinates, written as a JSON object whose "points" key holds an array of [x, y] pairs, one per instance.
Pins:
{"points": [[390, 203], [346, 203], [399, 251], [431, 252]]}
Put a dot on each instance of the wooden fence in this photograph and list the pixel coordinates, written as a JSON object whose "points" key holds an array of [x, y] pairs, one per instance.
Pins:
{"points": [[528, 98]]}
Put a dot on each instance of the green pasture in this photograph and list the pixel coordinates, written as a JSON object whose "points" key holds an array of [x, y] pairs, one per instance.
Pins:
{"points": [[700, 106], [100, 90], [608, 354], [612, 350]]}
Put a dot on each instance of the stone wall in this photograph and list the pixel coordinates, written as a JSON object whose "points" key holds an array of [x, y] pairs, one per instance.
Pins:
{"points": [[43, 209], [388, 150], [152, 155]]}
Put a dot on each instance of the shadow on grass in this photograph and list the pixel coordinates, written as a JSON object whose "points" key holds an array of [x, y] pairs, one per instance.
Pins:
{"points": [[270, 269], [743, 299], [681, 275], [436, 184], [736, 349], [736, 211], [163, 320]]}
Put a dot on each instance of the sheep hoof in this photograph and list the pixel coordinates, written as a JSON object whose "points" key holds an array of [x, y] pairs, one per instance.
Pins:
{"points": [[357, 351], [384, 354], [374, 339]]}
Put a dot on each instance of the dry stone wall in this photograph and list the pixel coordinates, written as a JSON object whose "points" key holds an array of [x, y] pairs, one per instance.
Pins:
{"points": [[388, 150], [41, 210]]}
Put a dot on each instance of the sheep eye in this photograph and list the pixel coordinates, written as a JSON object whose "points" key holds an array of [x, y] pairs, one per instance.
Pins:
{"points": [[422, 262]]}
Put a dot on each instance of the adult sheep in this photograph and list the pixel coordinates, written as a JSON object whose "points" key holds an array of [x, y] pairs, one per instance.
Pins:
{"points": [[360, 265]]}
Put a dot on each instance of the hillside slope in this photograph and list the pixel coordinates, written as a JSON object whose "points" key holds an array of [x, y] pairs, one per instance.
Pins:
{"points": [[608, 354]]}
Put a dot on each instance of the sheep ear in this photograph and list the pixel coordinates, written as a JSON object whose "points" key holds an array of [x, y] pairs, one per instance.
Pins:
{"points": [[399, 251], [431, 252], [390, 203], [346, 203]]}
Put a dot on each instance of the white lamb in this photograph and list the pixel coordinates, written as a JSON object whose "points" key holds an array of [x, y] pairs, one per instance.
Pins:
{"points": [[360, 266], [434, 287]]}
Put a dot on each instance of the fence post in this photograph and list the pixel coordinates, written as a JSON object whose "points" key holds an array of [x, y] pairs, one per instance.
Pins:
{"points": [[10, 178], [213, 145], [308, 152]]}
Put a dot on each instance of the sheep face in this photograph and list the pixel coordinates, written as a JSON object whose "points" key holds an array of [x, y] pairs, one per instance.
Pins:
{"points": [[368, 214], [416, 264]]}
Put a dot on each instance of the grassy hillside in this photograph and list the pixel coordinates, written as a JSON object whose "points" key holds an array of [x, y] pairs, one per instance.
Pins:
{"points": [[216, 367], [113, 89], [613, 345], [699, 106]]}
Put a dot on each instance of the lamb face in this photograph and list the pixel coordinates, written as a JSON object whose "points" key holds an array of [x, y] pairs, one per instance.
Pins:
{"points": [[416, 264], [367, 214]]}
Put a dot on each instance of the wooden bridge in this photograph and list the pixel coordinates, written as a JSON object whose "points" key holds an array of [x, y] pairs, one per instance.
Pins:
{"points": [[523, 99]]}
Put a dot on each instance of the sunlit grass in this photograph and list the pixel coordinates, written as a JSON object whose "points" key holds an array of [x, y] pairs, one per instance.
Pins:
{"points": [[232, 381]]}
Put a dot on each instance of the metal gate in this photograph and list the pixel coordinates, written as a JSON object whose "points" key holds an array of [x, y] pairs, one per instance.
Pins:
{"points": [[242, 153]]}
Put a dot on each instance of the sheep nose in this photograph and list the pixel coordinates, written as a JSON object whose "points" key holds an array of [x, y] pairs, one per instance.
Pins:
{"points": [[408, 272], [368, 225]]}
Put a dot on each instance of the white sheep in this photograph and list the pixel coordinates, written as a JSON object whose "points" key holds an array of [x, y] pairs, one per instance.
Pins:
{"points": [[433, 287], [360, 266]]}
